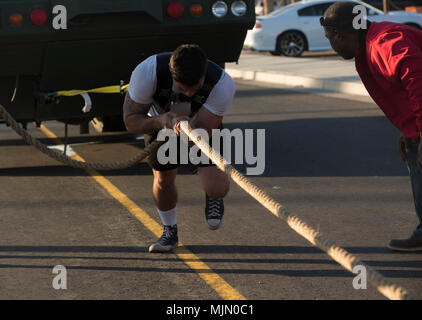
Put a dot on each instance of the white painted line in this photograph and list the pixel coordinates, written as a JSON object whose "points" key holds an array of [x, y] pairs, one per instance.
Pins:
{"points": [[69, 150]]}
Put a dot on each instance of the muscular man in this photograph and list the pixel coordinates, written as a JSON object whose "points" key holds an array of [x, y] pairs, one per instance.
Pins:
{"points": [[165, 89], [388, 58]]}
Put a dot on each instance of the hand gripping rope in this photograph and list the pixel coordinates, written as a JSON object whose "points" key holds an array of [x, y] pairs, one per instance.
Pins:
{"points": [[340, 255]]}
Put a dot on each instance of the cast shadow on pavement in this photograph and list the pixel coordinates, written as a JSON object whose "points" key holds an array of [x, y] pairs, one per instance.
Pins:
{"points": [[50, 253], [321, 147]]}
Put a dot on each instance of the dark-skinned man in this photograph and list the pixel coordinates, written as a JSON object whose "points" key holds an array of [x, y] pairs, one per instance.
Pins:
{"points": [[388, 59]]}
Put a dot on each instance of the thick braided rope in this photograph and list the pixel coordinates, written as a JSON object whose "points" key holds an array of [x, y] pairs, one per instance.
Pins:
{"points": [[69, 161], [344, 258]]}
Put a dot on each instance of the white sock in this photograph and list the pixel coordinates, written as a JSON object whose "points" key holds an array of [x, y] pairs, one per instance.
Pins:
{"points": [[168, 218]]}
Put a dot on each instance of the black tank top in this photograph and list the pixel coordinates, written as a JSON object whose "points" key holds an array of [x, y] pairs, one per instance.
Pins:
{"points": [[164, 95]]}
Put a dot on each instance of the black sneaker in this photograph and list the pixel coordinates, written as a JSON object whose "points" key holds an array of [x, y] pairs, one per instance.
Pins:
{"points": [[167, 241], [409, 244], [214, 211]]}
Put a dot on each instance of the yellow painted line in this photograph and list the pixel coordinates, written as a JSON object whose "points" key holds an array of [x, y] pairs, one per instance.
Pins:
{"points": [[49, 133], [216, 282]]}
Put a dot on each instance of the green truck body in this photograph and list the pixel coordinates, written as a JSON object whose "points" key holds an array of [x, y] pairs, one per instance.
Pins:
{"points": [[104, 41]]}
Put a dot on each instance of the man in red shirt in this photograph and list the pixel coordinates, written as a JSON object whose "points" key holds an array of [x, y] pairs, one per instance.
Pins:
{"points": [[388, 59]]}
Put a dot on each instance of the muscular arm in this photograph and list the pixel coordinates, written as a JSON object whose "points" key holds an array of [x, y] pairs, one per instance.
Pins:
{"points": [[135, 116], [205, 119], [218, 101]]}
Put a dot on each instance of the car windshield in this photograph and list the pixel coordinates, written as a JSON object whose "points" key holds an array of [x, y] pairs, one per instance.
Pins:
{"points": [[280, 10]]}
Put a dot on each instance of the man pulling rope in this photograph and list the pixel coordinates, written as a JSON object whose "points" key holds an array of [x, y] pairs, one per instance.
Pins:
{"points": [[168, 88]]}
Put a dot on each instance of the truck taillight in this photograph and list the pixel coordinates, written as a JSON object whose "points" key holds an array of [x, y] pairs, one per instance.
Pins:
{"points": [[175, 9], [15, 19], [38, 17], [196, 9], [258, 25]]}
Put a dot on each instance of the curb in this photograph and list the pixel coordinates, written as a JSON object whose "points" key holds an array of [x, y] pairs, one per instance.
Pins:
{"points": [[347, 87]]}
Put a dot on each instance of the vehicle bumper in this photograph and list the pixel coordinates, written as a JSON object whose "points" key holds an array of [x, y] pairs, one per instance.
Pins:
{"points": [[259, 42]]}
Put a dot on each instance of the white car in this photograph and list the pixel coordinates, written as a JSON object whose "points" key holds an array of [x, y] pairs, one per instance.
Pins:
{"points": [[295, 28]]}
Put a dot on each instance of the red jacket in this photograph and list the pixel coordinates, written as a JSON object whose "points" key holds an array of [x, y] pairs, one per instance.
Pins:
{"points": [[390, 67]]}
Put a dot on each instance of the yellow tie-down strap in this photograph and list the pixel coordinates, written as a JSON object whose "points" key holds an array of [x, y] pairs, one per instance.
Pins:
{"points": [[109, 89]]}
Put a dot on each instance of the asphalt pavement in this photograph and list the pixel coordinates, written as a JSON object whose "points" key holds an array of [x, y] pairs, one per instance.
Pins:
{"points": [[331, 159], [317, 70]]}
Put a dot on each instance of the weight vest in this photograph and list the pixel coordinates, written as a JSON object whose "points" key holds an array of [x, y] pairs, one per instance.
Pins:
{"points": [[164, 95]]}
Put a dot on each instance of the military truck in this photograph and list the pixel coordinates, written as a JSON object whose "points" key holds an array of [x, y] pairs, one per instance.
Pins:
{"points": [[53, 45]]}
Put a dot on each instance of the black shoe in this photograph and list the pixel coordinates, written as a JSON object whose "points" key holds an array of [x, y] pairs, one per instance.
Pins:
{"points": [[409, 244], [167, 241], [214, 211]]}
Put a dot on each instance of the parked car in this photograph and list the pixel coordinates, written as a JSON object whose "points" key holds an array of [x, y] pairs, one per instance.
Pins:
{"points": [[295, 28], [259, 8]]}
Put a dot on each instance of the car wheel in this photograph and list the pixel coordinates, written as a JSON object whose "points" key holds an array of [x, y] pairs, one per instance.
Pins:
{"points": [[291, 44], [414, 25]]}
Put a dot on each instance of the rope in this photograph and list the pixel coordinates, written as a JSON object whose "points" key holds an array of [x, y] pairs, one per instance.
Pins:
{"points": [[345, 259], [69, 161]]}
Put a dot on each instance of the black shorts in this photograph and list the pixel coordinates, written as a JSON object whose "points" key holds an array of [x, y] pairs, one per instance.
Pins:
{"points": [[156, 165]]}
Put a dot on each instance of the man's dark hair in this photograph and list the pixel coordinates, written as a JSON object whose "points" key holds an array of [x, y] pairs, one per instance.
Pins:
{"points": [[340, 16], [188, 64]]}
